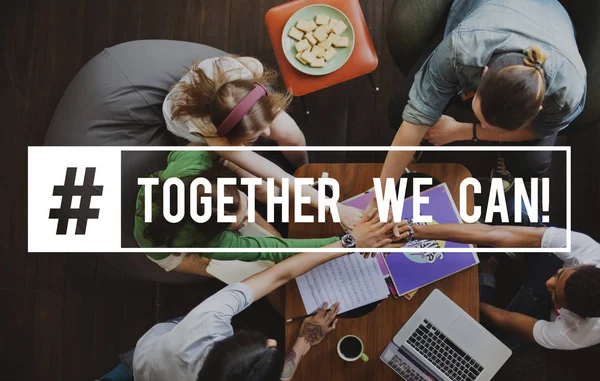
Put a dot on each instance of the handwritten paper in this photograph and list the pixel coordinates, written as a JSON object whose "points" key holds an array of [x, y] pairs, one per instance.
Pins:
{"points": [[352, 280]]}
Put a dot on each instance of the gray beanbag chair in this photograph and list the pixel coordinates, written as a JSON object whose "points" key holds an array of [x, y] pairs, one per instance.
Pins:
{"points": [[116, 100]]}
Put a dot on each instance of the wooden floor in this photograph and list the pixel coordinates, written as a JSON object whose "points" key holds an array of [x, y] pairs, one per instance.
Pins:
{"points": [[66, 317]]}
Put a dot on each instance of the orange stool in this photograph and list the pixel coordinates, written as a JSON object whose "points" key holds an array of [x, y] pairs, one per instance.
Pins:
{"points": [[363, 60]]}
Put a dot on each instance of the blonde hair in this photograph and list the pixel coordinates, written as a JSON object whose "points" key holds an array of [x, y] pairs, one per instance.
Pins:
{"points": [[213, 99]]}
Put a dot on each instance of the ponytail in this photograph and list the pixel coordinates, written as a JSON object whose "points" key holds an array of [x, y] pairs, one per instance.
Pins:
{"points": [[535, 58], [535, 61]]}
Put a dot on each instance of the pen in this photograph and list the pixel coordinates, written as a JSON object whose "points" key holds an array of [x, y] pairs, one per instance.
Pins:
{"points": [[303, 317]]}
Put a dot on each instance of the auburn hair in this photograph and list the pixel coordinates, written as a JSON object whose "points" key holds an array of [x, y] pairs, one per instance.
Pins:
{"points": [[511, 95], [214, 99]]}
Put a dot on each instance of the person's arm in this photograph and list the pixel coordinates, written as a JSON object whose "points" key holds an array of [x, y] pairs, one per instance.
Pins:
{"points": [[263, 168], [286, 132], [369, 233], [261, 190], [312, 332], [482, 234], [408, 134], [509, 321], [229, 239], [293, 358], [448, 130], [433, 87]]}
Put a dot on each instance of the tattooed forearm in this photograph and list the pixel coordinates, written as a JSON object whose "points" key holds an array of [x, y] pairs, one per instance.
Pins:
{"points": [[289, 367], [312, 333]]}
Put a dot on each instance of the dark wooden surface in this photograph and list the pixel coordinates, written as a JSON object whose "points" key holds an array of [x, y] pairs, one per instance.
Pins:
{"points": [[66, 317], [378, 327]]}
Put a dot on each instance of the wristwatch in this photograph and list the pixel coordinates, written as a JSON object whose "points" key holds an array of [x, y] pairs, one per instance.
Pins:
{"points": [[475, 132], [348, 241]]}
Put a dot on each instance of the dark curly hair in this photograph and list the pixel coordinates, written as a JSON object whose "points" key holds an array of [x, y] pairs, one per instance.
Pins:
{"points": [[582, 292]]}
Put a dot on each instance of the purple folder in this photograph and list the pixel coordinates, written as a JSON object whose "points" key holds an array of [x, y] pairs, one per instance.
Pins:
{"points": [[411, 271]]}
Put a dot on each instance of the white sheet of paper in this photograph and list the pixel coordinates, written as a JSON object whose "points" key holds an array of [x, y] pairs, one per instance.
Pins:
{"points": [[352, 280]]}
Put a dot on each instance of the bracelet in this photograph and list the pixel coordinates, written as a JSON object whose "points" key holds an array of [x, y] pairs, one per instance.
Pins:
{"points": [[411, 233], [475, 132]]}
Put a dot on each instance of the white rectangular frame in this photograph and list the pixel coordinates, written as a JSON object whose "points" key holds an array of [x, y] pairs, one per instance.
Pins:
{"points": [[566, 149]]}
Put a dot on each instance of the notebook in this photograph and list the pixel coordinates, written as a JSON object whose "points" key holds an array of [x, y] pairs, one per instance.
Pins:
{"points": [[410, 271]]}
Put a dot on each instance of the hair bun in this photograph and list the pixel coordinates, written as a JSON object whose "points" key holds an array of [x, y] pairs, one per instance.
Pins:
{"points": [[535, 58]]}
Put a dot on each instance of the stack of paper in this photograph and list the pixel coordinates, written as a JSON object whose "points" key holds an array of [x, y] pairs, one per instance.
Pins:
{"points": [[352, 280]]}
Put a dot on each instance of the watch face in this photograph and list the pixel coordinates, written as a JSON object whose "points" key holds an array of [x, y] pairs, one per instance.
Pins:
{"points": [[348, 241]]}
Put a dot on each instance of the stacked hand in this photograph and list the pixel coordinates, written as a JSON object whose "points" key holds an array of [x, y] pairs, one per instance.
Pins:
{"points": [[370, 232], [349, 216]]}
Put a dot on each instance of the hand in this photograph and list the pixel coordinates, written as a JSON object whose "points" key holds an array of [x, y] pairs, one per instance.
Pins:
{"points": [[372, 205], [370, 232], [349, 216], [398, 236], [316, 327], [446, 130]]}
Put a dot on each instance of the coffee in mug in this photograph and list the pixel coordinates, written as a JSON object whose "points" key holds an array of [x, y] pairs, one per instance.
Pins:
{"points": [[351, 348]]}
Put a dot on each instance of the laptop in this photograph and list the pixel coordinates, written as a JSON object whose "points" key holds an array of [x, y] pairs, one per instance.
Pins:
{"points": [[441, 342]]}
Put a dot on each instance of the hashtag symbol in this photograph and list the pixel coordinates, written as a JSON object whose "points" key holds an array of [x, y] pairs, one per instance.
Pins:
{"points": [[66, 192]]}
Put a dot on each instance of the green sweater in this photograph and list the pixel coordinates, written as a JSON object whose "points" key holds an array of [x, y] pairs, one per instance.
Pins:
{"points": [[182, 164]]}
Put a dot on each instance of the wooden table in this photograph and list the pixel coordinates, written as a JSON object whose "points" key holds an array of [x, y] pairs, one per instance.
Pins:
{"points": [[377, 328]]}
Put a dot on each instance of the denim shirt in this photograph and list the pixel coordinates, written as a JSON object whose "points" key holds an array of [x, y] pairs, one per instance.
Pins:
{"points": [[478, 29]]}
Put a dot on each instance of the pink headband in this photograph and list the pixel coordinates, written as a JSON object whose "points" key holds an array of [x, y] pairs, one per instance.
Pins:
{"points": [[238, 112]]}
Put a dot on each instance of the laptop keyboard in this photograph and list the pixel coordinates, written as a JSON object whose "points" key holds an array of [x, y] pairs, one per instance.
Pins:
{"points": [[403, 368], [449, 359]]}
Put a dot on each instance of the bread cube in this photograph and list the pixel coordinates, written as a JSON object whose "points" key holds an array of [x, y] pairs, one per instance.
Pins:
{"points": [[296, 34], [334, 37], [325, 44], [306, 26], [329, 54], [319, 62], [302, 45], [339, 28], [322, 19], [331, 24], [321, 33], [318, 51], [299, 58], [311, 38], [343, 42], [308, 56]]}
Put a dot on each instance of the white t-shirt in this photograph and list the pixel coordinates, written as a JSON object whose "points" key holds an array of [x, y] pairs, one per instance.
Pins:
{"points": [[232, 69], [569, 330], [171, 351]]}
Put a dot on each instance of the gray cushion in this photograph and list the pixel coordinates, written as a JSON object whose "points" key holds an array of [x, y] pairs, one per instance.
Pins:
{"points": [[116, 100]]}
